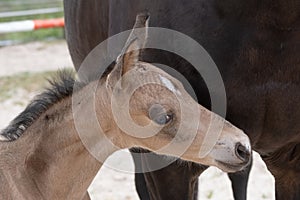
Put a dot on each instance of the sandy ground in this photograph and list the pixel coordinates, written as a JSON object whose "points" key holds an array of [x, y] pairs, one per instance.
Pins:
{"points": [[111, 184]]}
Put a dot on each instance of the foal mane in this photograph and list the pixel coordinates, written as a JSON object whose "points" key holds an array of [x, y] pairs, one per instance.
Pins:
{"points": [[59, 88]]}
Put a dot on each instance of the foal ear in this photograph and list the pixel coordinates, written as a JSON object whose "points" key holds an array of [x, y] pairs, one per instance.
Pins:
{"points": [[131, 51]]}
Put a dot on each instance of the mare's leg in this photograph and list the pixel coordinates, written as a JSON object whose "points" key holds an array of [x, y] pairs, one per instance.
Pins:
{"points": [[285, 167], [178, 180], [284, 192], [140, 182], [239, 182]]}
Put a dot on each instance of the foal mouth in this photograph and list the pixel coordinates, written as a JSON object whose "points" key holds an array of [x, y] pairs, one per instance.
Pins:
{"points": [[232, 167]]}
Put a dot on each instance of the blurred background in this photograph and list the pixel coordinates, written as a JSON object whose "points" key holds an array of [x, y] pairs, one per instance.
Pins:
{"points": [[19, 10], [28, 57]]}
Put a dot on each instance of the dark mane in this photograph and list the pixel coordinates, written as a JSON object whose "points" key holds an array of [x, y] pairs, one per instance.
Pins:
{"points": [[60, 87]]}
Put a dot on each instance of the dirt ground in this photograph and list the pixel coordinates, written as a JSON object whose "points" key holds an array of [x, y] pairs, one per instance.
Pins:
{"points": [[111, 184]]}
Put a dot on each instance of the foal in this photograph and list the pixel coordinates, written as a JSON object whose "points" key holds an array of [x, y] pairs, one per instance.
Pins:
{"points": [[47, 157]]}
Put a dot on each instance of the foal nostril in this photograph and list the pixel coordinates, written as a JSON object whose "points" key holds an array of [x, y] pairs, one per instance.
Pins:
{"points": [[242, 152]]}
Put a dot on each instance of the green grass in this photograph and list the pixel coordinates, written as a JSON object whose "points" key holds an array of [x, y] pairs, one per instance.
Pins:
{"points": [[210, 194], [42, 34], [29, 82]]}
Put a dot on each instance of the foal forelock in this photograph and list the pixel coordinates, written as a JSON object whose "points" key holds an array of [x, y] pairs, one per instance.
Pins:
{"points": [[60, 88]]}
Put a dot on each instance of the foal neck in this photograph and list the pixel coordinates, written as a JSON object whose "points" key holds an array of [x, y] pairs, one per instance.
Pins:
{"points": [[50, 157]]}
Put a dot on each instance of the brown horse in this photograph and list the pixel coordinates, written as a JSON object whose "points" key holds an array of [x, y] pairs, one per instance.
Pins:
{"points": [[43, 152], [255, 45]]}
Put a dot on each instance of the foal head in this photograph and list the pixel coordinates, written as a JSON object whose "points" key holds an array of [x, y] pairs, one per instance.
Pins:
{"points": [[153, 110]]}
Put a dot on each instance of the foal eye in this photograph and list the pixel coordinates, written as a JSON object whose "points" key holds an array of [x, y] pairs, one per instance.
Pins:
{"points": [[158, 114], [163, 119]]}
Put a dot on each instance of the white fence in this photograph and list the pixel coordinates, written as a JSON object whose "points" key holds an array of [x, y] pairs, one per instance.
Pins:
{"points": [[30, 25]]}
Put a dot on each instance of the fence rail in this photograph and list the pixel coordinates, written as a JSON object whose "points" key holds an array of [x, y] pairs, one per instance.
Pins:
{"points": [[30, 12], [30, 25]]}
